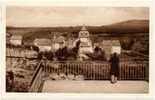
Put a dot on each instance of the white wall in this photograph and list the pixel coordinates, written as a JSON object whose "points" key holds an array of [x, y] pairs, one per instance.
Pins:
{"points": [[44, 48], [116, 49], [16, 42], [86, 50], [56, 46]]}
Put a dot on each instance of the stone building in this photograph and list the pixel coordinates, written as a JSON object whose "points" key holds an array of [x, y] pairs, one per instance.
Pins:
{"points": [[70, 43], [110, 47], [16, 40], [58, 42], [43, 44], [86, 43]]}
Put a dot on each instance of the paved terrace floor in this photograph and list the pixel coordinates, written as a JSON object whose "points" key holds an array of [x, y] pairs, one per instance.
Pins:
{"points": [[61, 86]]}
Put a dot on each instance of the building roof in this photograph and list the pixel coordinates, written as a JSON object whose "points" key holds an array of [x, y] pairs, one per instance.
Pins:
{"points": [[111, 42], [83, 28], [116, 43], [43, 42], [16, 37], [83, 33], [60, 39]]}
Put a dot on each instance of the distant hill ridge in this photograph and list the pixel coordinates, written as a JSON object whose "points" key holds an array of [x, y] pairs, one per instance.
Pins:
{"points": [[130, 26]]}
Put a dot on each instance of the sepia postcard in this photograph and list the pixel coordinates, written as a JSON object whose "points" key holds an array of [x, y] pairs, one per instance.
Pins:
{"points": [[77, 49]]}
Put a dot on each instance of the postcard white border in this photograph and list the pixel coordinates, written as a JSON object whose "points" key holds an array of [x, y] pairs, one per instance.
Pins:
{"points": [[105, 3]]}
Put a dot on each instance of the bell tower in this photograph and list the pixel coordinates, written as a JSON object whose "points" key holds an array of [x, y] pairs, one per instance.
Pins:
{"points": [[83, 33], [85, 42]]}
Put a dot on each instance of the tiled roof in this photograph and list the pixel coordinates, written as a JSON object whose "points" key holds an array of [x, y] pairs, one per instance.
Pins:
{"points": [[43, 42], [111, 42], [116, 43], [60, 39], [16, 37], [83, 28]]}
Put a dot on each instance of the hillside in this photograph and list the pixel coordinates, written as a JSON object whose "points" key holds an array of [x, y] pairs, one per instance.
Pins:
{"points": [[125, 27], [131, 26]]}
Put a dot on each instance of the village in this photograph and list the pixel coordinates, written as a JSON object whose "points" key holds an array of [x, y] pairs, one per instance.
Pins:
{"points": [[58, 52], [57, 41], [80, 57]]}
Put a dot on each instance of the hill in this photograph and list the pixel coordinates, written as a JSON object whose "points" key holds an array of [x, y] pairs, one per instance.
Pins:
{"points": [[125, 27], [131, 26]]}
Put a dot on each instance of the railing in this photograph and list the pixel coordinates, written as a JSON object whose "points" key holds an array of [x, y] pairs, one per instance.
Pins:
{"points": [[99, 70], [131, 71], [89, 70], [20, 53], [37, 79]]}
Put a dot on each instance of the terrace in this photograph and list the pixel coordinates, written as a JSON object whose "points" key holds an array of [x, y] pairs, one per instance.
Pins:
{"points": [[50, 86], [133, 78]]}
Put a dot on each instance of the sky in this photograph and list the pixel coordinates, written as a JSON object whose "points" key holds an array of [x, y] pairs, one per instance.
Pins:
{"points": [[71, 16]]}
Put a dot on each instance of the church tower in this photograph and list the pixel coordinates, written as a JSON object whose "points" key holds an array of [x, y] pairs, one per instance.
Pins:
{"points": [[83, 33], [85, 42]]}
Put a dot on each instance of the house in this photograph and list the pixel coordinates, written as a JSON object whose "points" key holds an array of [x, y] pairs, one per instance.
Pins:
{"points": [[58, 42], [16, 40], [110, 47], [43, 44], [70, 43], [116, 47]]}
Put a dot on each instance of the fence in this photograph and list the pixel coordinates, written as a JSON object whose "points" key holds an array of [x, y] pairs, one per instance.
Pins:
{"points": [[20, 52], [37, 79], [99, 70], [134, 71], [89, 70]]}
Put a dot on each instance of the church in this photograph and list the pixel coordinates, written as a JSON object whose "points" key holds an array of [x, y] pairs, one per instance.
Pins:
{"points": [[85, 42]]}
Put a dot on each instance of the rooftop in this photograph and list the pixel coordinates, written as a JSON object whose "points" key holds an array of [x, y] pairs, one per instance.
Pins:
{"points": [[111, 42], [60, 39], [16, 37], [43, 42], [83, 28]]}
